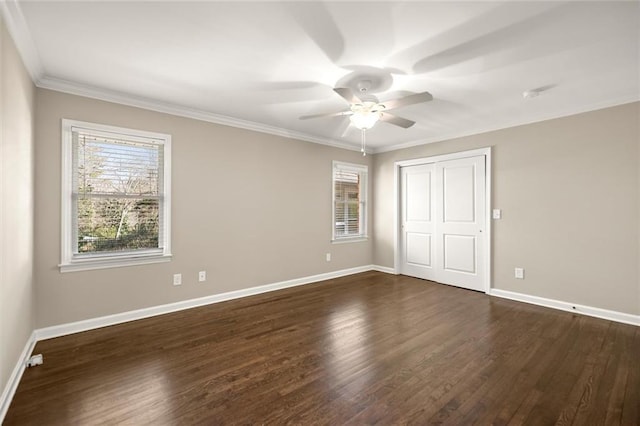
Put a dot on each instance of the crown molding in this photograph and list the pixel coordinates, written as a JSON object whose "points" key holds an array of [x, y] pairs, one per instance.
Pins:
{"points": [[515, 123], [19, 31], [73, 88], [87, 91]]}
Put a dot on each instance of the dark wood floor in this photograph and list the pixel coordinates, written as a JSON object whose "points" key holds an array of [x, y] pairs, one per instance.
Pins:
{"points": [[369, 348]]}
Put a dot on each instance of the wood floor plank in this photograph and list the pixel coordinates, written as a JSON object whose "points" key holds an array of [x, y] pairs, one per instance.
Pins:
{"points": [[370, 348]]}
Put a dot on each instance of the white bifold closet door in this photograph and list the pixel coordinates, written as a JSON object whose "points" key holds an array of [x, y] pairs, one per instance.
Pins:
{"points": [[442, 211]]}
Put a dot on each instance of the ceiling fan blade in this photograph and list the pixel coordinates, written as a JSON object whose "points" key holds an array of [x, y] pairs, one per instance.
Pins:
{"points": [[348, 95], [408, 100], [328, 114], [398, 121], [344, 128]]}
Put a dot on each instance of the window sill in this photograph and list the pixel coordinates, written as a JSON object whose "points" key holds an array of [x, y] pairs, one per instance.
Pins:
{"points": [[90, 264], [350, 240]]}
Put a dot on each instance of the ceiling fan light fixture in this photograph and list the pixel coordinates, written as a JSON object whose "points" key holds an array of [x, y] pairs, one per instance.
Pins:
{"points": [[364, 120]]}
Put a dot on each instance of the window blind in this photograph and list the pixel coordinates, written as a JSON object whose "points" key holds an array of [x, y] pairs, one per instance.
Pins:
{"points": [[117, 186], [349, 201]]}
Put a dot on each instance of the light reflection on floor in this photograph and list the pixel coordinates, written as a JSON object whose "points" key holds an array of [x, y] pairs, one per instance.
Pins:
{"points": [[350, 346], [147, 375]]}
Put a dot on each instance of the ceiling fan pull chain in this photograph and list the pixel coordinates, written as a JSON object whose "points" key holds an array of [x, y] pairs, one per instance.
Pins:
{"points": [[362, 149]]}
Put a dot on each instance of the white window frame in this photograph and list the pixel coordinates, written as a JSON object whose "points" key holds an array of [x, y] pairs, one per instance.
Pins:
{"points": [[363, 171], [69, 262]]}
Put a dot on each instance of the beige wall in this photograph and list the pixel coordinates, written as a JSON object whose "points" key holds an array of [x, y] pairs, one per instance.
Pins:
{"points": [[16, 206], [249, 208], [568, 188], [569, 193]]}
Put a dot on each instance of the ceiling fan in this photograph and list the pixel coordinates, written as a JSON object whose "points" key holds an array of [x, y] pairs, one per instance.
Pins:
{"points": [[365, 110]]}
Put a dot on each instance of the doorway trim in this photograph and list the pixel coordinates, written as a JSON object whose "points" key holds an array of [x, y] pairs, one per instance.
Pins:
{"points": [[486, 152]]}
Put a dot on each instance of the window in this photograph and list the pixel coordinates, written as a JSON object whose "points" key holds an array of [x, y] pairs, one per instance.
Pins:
{"points": [[349, 201], [115, 196]]}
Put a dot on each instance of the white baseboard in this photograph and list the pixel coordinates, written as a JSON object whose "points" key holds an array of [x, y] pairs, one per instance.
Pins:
{"points": [[93, 323], [384, 269], [569, 307], [16, 375]]}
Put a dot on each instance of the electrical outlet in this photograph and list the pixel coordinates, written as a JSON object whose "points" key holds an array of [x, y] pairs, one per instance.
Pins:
{"points": [[177, 279], [202, 276], [35, 360], [519, 273], [328, 257]]}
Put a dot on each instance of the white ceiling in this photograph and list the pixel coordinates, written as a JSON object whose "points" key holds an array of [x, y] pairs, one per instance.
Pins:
{"points": [[261, 65]]}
